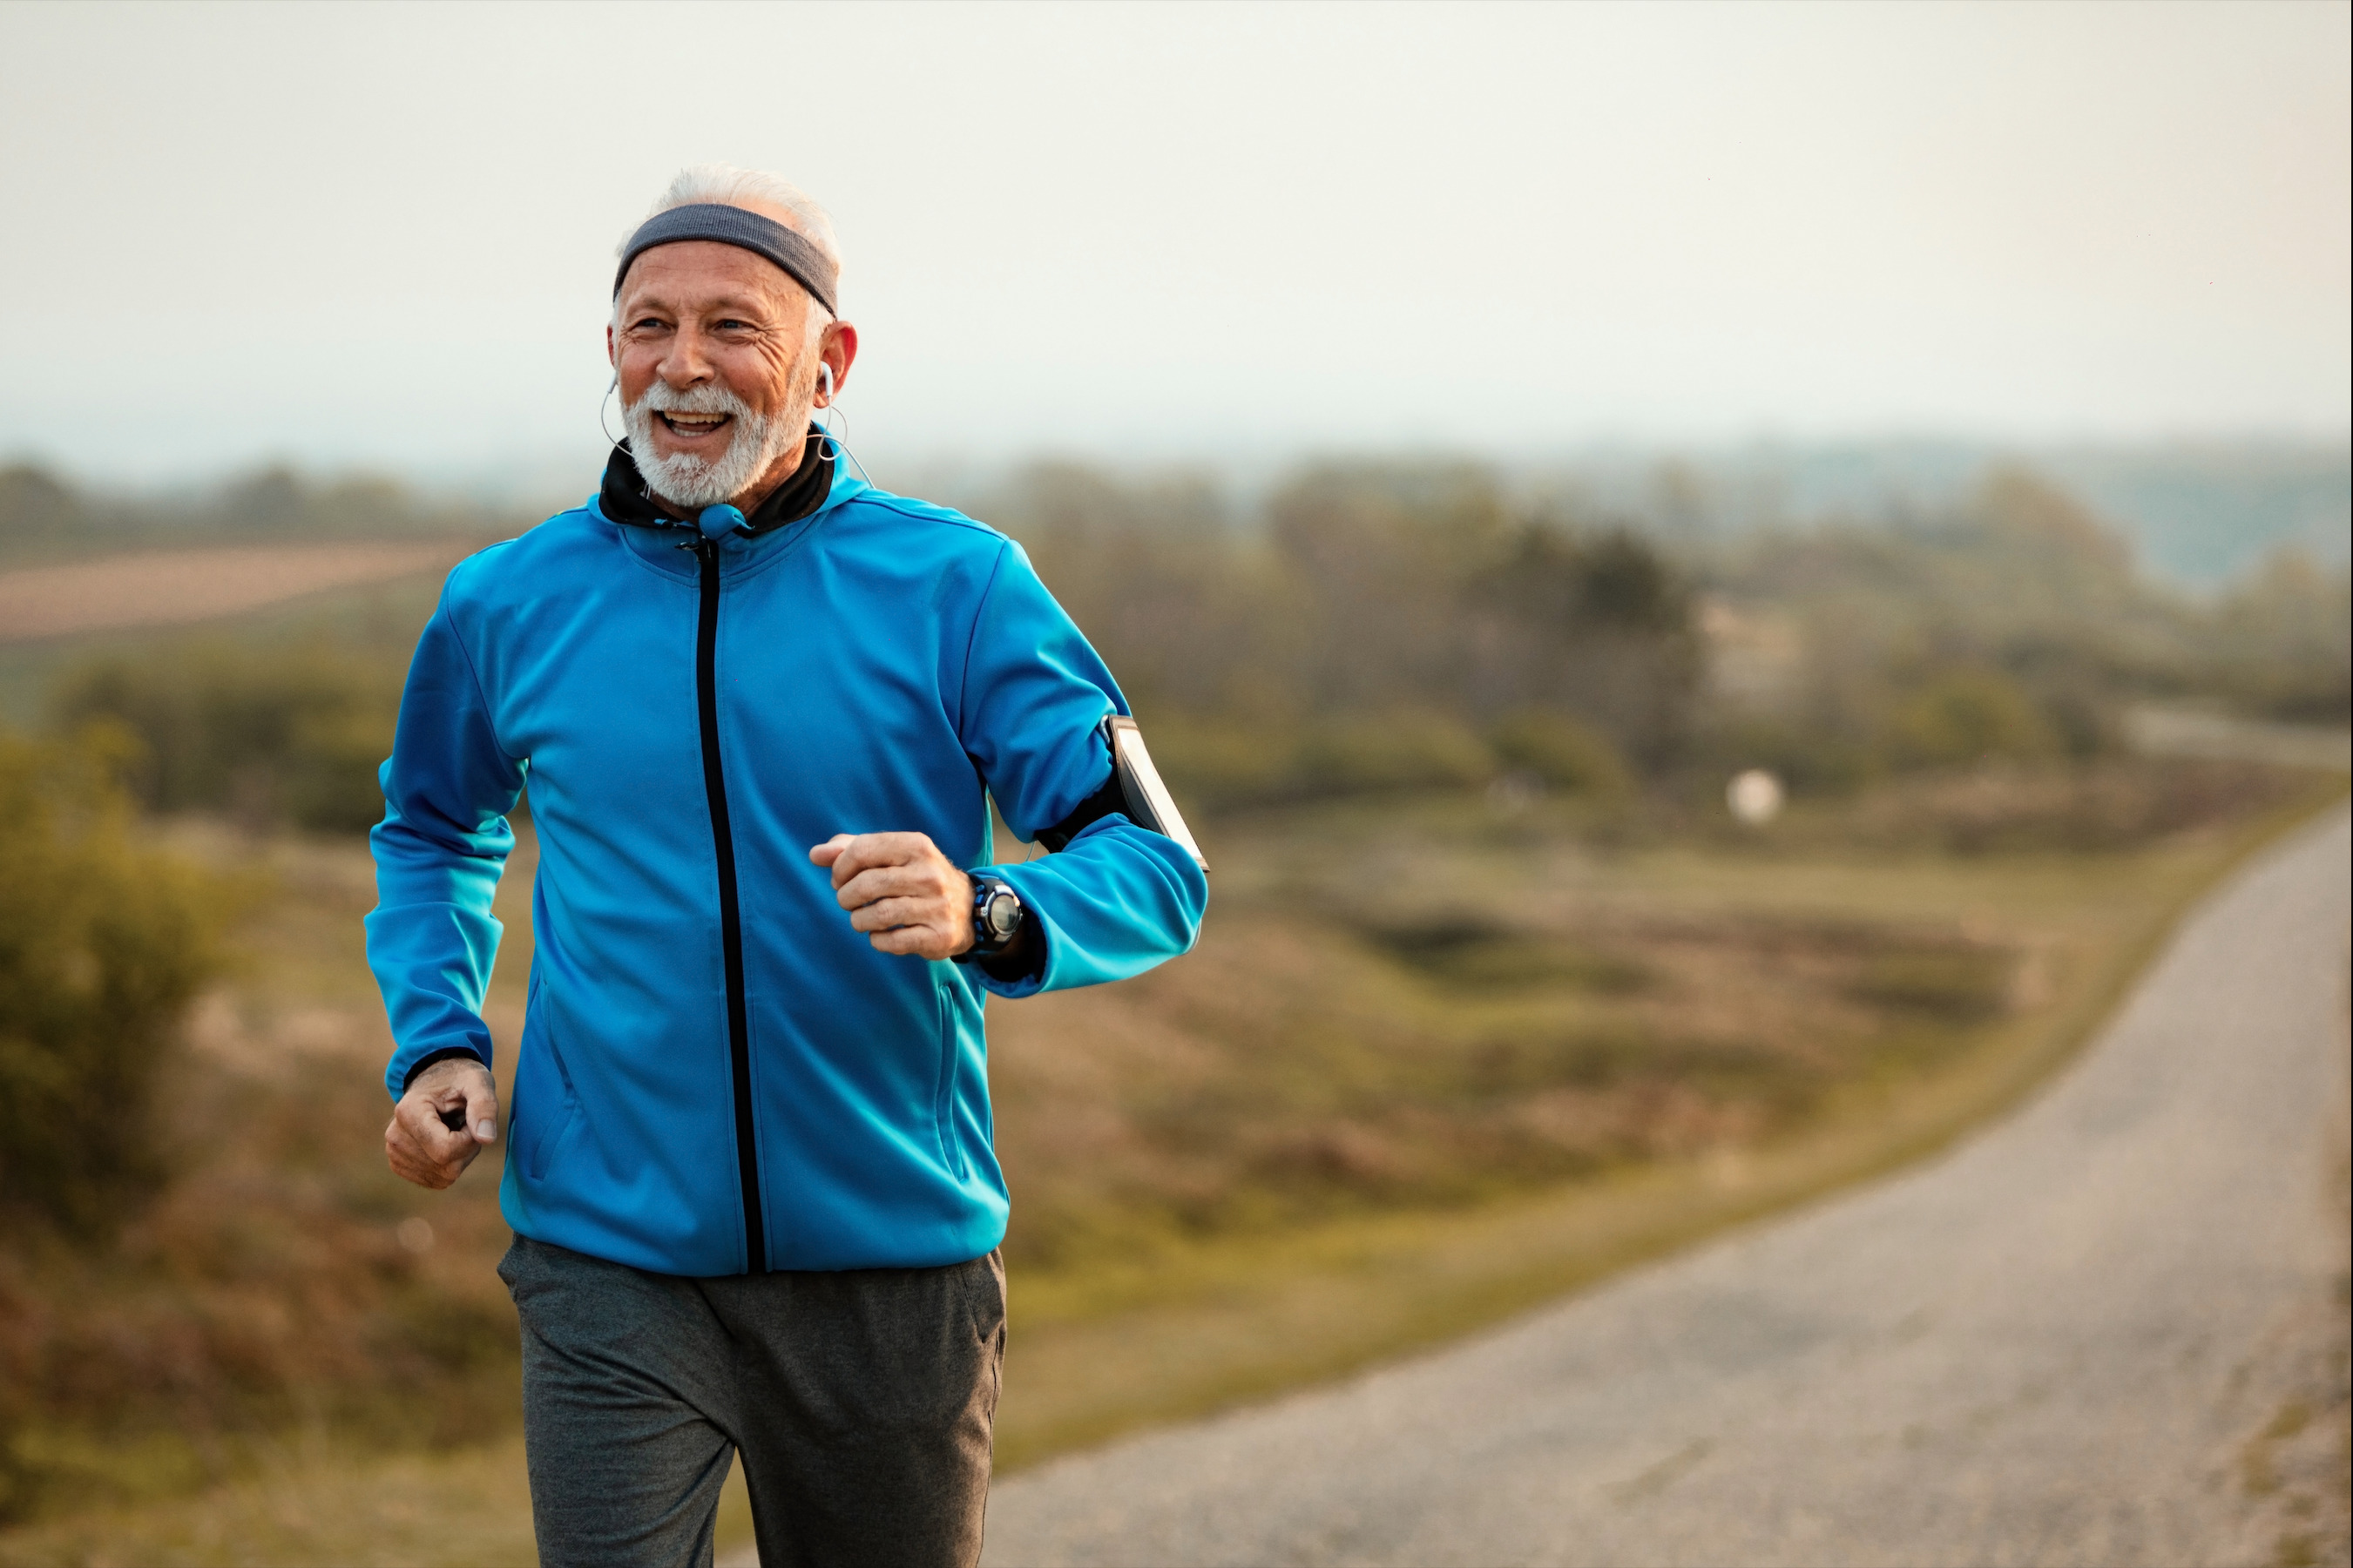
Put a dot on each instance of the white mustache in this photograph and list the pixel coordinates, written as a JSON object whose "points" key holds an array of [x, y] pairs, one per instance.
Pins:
{"points": [[708, 398]]}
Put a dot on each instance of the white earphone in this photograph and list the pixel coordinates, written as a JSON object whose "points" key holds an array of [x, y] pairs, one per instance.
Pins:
{"points": [[824, 380]]}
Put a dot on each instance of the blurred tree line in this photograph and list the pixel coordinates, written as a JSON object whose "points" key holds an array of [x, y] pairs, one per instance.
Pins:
{"points": [[2012, 626], [1395, 627], [1369, 628], [43, 517], [1375, 629]]}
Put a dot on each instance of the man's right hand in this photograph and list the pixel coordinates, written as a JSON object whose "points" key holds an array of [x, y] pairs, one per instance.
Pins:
{"points": [[421, 1144]]}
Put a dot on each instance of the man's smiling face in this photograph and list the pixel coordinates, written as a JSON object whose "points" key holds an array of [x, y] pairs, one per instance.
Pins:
{"points": [[699, 314]]}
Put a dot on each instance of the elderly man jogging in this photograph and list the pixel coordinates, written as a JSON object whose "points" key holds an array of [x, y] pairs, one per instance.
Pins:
{"points": [[758, 704]]}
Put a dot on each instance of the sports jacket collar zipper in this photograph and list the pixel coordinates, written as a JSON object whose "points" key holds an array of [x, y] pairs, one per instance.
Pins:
{"points": [[731, 914], [624, 498]]}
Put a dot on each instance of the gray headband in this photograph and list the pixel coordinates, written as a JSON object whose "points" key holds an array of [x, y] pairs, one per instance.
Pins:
{"points": [[747, 231]]}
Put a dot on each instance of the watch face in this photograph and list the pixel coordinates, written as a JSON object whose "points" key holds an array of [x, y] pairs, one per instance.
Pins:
{"points": [[1004, 915]]}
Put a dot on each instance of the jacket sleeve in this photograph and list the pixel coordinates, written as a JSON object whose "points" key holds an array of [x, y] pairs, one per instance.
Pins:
{"points": [[440, 850], [1119, 898]]}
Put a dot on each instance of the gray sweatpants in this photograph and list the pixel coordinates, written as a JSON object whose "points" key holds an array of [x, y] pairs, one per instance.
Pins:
{"points": [[862, 1404]]}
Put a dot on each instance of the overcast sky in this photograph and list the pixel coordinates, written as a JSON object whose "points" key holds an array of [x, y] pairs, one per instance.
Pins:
{"points": [[384, 235]]}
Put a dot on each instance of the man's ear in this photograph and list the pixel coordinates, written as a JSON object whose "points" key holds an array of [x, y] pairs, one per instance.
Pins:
{"points": [[612, 353], [839, 349]]}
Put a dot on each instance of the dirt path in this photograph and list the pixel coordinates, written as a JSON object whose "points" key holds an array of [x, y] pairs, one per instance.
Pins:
{"points": [[175, 587], [2092, 1334]]}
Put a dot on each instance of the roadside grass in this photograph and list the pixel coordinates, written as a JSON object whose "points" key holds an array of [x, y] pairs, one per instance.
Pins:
{"points": [[284, 1296], [2294, 1385], [1191, 1324], [1434, 1065], [313, 1503], [321, 1501]]}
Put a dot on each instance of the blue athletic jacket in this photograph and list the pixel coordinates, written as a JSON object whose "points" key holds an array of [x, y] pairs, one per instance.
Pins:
{"points": [[717, 1074]]}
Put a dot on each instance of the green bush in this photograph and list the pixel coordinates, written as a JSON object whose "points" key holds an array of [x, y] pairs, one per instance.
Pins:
{"points": [[1392, 751], [1967, 716], [2283, 642], [102, 943], [1810, 759], [1213, 761], [1565, 755], [1962, 983], [268, 733]]}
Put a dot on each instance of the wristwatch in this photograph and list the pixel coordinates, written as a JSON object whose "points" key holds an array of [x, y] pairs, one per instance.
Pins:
{"points": [[996, 917]]}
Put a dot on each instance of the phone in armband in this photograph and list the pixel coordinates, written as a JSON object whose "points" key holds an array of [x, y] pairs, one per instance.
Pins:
{"points": [[1149, 804]]}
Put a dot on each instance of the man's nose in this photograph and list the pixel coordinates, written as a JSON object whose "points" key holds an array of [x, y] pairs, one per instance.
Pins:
{"points": [[686, 361]]}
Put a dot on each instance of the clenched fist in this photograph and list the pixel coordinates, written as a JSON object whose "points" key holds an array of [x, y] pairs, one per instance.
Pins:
{"points": [[449, 1113], [901, 891]]}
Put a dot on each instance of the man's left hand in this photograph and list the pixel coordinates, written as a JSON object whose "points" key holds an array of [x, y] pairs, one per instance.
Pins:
{"points": [[901, 891]]}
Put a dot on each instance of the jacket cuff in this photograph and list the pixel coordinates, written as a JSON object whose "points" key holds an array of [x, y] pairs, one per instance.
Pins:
{"points": [[1016, 969], [443, 1055]]}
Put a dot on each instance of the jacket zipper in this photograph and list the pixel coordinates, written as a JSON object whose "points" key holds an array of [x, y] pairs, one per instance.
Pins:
{"points": [[731, 914]]}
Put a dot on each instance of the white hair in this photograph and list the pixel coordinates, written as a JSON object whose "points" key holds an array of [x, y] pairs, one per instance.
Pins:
{"points": [[726, 184]]}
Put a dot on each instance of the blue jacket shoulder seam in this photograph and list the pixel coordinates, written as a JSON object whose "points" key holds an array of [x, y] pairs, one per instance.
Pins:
{"points": [[923, 512], [490, 714], [972, 634]]}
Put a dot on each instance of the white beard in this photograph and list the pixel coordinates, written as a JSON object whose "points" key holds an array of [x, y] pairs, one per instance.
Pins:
{"points": [[754, 443]]}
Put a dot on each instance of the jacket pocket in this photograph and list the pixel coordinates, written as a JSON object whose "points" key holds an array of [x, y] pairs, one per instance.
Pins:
{"points": [[546, 1106], [944, 1100]]}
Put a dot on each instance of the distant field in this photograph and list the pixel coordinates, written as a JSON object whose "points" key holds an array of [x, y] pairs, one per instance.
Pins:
{"points": [[180, 588]]}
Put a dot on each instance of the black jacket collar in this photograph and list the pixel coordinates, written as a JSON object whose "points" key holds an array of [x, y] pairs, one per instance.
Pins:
{"points": [[624, 498]]}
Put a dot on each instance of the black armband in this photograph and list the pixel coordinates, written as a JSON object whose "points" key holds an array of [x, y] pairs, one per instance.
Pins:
{"points": [[1105, 801], [1134, 790]]}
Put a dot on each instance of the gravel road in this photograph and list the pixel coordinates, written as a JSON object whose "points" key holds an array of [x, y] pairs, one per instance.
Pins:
{"points": [[2059, 1343]]}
